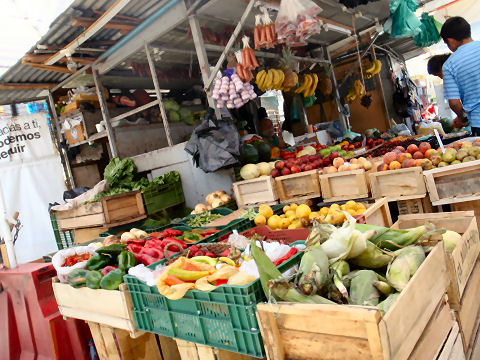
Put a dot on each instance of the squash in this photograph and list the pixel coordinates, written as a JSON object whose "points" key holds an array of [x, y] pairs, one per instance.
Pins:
{"points": [[264, 168], [249, 171]]}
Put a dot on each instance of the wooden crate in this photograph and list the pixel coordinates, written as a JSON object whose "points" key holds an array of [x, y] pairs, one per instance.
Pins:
{"points": [[255, 191], [305, 331], [454, 183], [397, 183], [430, 344], [298, 187], [82, 236], [378, 214], [192, 351], [418, 205], [113, 344], [107, 307], [110, 212], [461, 261], [468, 315], [453, 347], [123, 209], [468, 206], [346, 185]]}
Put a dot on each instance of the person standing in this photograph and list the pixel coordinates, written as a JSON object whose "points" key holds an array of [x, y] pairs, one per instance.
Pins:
{"points": [[435, 64], [461, 73]]}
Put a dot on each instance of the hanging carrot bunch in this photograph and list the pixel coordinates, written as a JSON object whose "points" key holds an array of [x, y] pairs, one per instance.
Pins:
{"points": [[268, 30], [249, 61], [243, 72], [257, 30]]}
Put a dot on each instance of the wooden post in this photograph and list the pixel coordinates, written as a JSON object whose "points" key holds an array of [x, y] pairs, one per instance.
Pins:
{"points": [[341, 115]]}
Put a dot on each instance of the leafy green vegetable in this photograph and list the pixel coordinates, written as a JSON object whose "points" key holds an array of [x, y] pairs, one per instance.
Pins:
{"points": [[203, 219], [119, 173], [250, 213]]}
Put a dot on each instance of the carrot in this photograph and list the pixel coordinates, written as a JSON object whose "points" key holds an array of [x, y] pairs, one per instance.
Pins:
{"points": [[244, 58], [253, 59], [240, 71], [256, 36], [263, 36]]}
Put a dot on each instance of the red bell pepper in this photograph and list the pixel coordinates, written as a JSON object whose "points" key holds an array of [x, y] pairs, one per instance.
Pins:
{"points": [[154, 243], [209, 232], [140, 242], [219, 282], [169, 240], [146, 259], [287, 256], [192, 251], [107, 269], [153, 252], [171, 233], [155, 234], [134, 248]]}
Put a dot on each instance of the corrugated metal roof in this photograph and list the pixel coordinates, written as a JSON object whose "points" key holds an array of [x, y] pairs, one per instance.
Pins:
{"points": [[217, 14]]}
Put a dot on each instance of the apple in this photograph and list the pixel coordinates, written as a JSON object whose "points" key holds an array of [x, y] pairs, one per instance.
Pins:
{"points": [[285, 171], [274, 173], [279, 165], [295, 169], [334, 155], [327, 162], [319, 163], [308, 167], [303, 167]]}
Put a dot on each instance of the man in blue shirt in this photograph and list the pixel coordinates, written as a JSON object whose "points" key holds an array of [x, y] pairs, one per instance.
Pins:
{"points": [[461, 73]]}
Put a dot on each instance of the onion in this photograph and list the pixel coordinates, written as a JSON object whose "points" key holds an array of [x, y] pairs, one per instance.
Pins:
{"points": [[200, 208], [216, 203], [112, 239], [226, 198], [127, 236], [219, 193], [139, 234], [210, 197]]}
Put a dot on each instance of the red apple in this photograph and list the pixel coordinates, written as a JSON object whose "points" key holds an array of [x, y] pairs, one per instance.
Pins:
{"points": [[303, 167], [308, 167], [333, 155], [319, 163], [274, 173], [327, 162], [279, 165], [400, 148], [295, 169], [285, 171], [412, 148]]}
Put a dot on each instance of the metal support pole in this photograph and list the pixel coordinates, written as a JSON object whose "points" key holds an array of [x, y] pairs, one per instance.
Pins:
{"points": [[156, 84], [232, 39], [58, 139], [201, 55], [341, 115], [6, 232], [105, 113]]}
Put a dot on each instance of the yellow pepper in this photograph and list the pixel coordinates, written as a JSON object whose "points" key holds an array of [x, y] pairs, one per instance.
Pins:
{"points": [[187, 275]]}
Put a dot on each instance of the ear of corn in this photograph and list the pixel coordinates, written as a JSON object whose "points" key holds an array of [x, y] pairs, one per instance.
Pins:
{"points": [[373, 257], [339, 270], [266, 269], [314, 270], [383, 287], [386, 304], [362, 290], [398, 273], [414, 255]]}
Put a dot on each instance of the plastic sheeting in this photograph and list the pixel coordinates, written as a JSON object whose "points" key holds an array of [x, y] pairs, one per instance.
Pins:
{"points": [[429, 32], [402, 21]]}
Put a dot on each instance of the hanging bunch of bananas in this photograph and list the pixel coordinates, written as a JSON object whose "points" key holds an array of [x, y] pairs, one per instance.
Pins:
{"points": [[373, 70], [309, 85], [272, 79], [357, 91]]}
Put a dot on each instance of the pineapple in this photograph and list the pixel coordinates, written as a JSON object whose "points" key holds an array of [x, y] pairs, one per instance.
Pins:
{"points": [[286, 64]]}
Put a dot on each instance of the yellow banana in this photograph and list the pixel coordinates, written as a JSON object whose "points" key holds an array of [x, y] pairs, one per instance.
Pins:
{"points": [[260, 78], [359, 88], [313, 87], [295, 75], [351, 96], [269, 80], [378, 67], [370, 69], [276, 78], [304, 85], [282, 77], [308, 82]]}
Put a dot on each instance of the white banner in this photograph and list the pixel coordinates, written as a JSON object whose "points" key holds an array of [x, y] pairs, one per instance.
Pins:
{"points": [[31, 177]]}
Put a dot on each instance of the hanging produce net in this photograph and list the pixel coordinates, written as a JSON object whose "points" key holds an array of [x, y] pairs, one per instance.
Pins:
{"points": [[402, 21], [430, 32], [354, 3]]}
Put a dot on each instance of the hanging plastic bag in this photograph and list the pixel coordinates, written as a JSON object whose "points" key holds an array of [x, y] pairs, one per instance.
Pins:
{"points": [[430, 32], [214, 144], [354, 3], [296, 21], [402, 21]]}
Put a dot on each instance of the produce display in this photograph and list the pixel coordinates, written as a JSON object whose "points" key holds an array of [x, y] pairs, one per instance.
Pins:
{"points": [[264, 33], [294, 217], [203, 219], [335, 214], [276, 79], [214, 199], [231, 92], [355, 264], [175, 113], [340, 165]]}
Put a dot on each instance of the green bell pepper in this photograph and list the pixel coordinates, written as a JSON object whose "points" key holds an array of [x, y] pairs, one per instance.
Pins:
{"points": [[98, 262], [93, 279], [113, 250], [112, 280], [125, 260], [76, 278]]}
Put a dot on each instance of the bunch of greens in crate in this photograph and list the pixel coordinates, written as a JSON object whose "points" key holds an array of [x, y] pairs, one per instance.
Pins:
{"points": [[356, 264], [157, 183]]}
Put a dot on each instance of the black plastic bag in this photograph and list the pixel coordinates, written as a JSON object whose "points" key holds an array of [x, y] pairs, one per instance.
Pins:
{"points": [[72, 194], [215, 144]]}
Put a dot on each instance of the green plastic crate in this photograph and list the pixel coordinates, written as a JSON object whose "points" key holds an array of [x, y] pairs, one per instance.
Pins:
{"points": [[64, 239], [165, 197], [232, 205], [121, 229], [223, 318]]}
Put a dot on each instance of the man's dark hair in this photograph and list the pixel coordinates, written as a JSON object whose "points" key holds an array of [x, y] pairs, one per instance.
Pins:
{"points": [[456, 28], [261, 113], [435, 63]]}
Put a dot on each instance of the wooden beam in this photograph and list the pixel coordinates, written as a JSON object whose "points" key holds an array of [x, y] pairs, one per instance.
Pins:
{"points": [[19, 86], [41, 58], [130, 18], [91, 31], [123, 26], [55, 68]]}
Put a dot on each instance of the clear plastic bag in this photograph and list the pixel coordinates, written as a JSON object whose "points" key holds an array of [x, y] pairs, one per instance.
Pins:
{"points": [[296, 21], [59, 259]]}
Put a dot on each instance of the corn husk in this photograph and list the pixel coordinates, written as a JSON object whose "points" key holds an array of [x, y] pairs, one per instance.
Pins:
{"points": [[398, 273], [386, 304], [314, 270], [385, 288], [284, 291], [450, 240], [362, 290], [414, 255], [339, 270], [373, 257]]}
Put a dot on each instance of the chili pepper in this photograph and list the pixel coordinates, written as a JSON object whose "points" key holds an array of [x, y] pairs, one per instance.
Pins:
{"points": [[171, 280], [93, 278], [287, 256], [107, 269], [155, 234], [227, 260], [209, 232], [98, 262], [126, 260], [140, 242], [179, 243], [171, 233], [186, 275], [192, 251], [74, 259], [205, 259], [112, 280], [154, 243], [225, 253], [219, 282], [210, 254]]}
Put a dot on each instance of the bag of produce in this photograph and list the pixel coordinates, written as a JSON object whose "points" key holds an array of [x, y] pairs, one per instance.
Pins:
{"points": [[296, 21], [67, 260]]}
